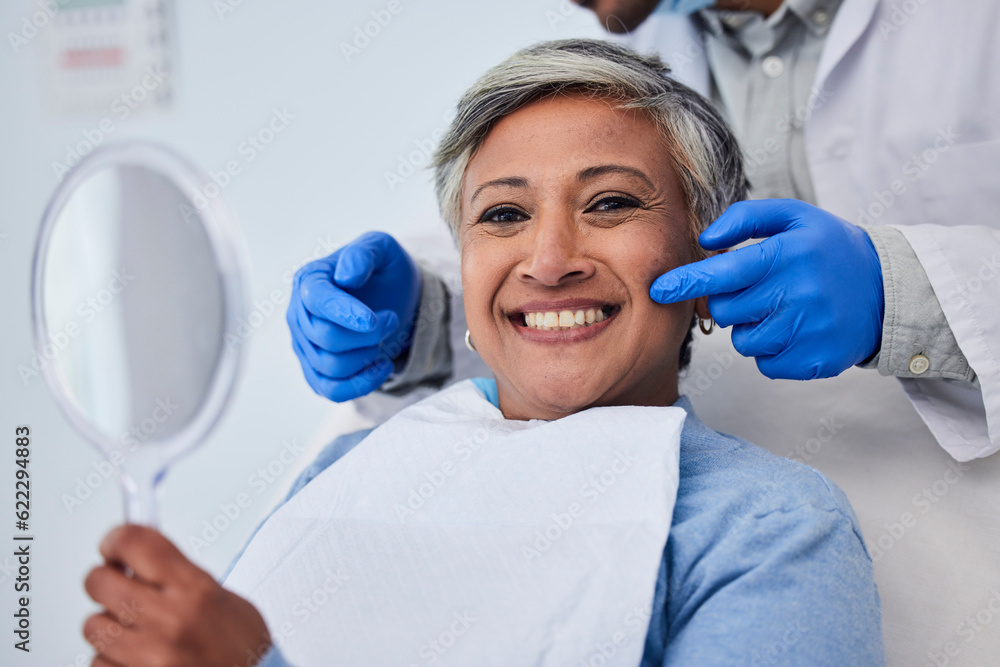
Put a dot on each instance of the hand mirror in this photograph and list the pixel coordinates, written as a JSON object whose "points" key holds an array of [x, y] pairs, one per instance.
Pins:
{"points": [[135, 282]]}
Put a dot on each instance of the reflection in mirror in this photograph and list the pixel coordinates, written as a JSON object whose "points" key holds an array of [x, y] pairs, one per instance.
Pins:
{"points": [[135, 294], [140, 285]]}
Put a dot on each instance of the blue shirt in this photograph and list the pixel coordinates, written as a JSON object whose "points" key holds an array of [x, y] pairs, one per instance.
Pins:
{"points": [[764, 563]]}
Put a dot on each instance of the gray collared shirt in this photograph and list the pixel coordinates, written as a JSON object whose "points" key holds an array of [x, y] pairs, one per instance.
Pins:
{"points": [[763, 71]]}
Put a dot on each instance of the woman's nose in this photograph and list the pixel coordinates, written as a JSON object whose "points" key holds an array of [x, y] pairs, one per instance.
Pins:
{"points": [[557, 254]]}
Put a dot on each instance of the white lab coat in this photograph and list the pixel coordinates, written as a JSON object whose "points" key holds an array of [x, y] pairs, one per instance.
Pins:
{"points": [[903, 128]]}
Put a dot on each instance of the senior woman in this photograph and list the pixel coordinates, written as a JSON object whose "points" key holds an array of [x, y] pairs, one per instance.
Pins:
{"points": [[574, 174]]}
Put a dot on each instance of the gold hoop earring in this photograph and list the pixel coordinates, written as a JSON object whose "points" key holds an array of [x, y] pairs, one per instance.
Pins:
{"points": [[468, 341], [709, 329]]}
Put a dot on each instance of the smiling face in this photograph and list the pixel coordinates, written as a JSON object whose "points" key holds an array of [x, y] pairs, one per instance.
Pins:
{"points": [[570, 209]]}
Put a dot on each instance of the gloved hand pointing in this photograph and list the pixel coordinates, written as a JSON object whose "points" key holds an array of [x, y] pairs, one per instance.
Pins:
{"points": [[807, 301], [351, 314]]}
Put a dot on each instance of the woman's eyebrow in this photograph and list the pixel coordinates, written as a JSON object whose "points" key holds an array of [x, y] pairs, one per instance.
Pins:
{"points": [[593, 172], [508, 181]]}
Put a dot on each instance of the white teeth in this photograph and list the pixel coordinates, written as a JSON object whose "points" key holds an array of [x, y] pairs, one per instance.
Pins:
{"points": [[564, 320]]}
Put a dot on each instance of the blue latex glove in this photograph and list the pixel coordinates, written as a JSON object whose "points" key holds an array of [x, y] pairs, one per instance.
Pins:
{"points": [[345, 315], [682, 6], [807, 302]]}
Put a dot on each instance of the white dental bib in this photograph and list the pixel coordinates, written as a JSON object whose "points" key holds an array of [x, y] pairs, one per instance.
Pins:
{"points": [[452, 536]]}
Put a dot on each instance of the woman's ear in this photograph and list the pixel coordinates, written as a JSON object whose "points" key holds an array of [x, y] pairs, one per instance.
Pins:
{"points": [[701, 308], [701, 303]]}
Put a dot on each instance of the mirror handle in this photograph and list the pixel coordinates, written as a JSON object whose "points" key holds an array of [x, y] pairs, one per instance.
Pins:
{"points": [[141, 493]]}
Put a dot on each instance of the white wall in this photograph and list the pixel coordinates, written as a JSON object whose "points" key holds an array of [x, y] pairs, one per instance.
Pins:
{"points": [[319, 184]]}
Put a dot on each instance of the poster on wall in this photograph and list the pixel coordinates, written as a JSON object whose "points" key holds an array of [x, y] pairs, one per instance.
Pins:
{"points": [[107, 57]]}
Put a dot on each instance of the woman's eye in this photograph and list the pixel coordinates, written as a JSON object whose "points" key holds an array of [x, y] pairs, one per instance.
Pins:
{"points": [[615, 203], [503, 214]]}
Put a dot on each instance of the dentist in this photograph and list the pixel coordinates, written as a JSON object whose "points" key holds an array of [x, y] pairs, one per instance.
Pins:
{"points": [[874, 154]]}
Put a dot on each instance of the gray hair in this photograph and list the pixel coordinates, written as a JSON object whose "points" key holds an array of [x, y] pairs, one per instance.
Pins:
{"points": [[706, 155]]}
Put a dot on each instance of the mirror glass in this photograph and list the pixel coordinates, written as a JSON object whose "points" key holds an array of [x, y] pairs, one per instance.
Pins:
{"points": [[135, 287]]}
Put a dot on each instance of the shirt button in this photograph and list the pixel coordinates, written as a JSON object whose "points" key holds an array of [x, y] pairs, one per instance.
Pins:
{"points": [[919, 364], [821, 16], [773, 66], [839, 147], [729, 18]]}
